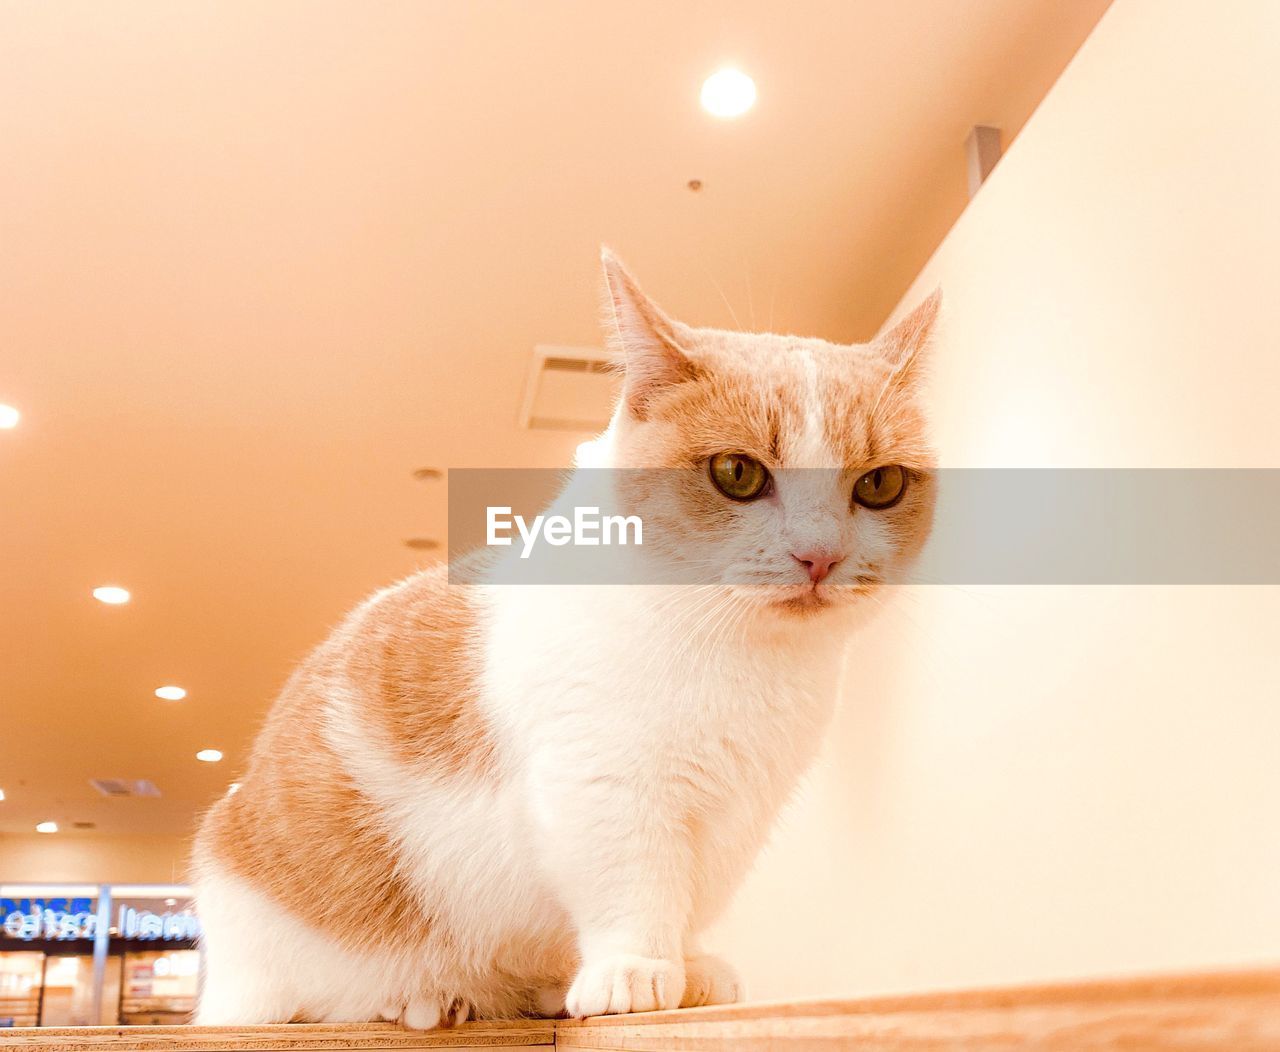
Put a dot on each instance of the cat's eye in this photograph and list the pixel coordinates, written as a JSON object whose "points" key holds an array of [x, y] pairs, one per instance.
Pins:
{"points": [[738, 476], [880, 488]]}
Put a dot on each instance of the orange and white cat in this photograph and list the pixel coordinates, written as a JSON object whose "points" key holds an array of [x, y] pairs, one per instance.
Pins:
{"points": [[492, 801]]}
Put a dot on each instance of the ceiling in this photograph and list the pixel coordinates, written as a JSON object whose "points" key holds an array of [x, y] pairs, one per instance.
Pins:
{"points": [[262, 261]]}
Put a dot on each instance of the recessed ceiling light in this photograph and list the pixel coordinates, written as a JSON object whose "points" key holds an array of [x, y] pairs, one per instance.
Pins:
{"points": [[233, 788], [111, 595], [46, 827], [209, 755], [9, 417], [170, 693], [728, 93]]}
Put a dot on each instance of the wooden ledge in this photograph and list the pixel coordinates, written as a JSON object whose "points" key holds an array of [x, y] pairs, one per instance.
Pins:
{"points": [[285, 1037], [1239, 1012], [1235, 1011]]}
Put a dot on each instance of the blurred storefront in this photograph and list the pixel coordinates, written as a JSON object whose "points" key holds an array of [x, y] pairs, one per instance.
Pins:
{"points": [[105, 955]]}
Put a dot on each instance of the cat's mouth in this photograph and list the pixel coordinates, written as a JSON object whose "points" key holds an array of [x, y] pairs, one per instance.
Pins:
{"points": [[806, 599]]}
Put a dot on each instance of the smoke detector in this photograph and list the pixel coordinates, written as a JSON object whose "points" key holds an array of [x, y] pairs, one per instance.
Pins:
{"points": [[569, 389]]}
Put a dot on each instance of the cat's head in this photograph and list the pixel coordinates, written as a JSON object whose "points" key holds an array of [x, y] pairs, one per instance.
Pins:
{"points": [[803, 467]]}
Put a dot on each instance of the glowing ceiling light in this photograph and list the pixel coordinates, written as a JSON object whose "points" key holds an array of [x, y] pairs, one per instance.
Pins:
{"points": [[170, 693], [9, 417], [209, 755], [728, 93], [46, 827], [111, 595]]}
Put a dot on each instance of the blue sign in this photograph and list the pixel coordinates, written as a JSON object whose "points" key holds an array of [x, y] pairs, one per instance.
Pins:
{"points": [[54, 918]]}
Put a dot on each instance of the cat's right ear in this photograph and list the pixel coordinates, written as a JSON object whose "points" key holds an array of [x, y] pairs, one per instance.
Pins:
{"points": [[647, 341], [906, 345]]}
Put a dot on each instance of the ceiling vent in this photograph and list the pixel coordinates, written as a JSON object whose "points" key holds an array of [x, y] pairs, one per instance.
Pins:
{"points": [[124, 787], [569, 389]]}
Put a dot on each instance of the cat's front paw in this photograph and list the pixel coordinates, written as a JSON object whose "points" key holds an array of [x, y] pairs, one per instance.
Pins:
{"points": [[427, 1011], [710, 981], [625, 983]]}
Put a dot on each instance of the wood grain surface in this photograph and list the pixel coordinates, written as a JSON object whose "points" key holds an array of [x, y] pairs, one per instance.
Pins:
{"points": [[1232, 1012], [289, 1037]]}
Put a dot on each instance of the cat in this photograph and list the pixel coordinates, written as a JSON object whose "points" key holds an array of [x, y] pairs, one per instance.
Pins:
{"points": [[485, 802]]}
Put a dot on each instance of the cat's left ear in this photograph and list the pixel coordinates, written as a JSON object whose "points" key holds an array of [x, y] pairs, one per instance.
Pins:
{"points": [[649, 343], [906, 345]]}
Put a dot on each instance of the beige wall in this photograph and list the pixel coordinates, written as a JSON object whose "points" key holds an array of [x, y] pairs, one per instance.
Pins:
{"points": [[93, 859], [1056, 782]]}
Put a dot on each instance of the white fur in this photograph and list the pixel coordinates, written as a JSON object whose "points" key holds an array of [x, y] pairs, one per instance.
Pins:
{"points": [[666, 758], [812, 450], [263, 965]]}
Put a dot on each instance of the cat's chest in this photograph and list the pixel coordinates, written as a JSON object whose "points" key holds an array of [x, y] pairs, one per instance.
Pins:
{"points": [[646, 682], [723, 700]]}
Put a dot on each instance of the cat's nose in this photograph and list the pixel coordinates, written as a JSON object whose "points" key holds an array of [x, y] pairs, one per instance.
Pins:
{"points": [[818, 561]]}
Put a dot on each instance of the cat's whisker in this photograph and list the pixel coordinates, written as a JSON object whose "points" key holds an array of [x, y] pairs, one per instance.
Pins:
{"points": [[682, 614], [732, 313], [773, 295], [699, 632], [731, 605], [983, 599], [917, 641], [692, 606], [669, 597], [666, 600]]}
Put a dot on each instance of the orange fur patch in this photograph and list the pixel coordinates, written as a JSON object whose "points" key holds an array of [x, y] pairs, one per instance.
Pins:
{"points": [[298, 825]]}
